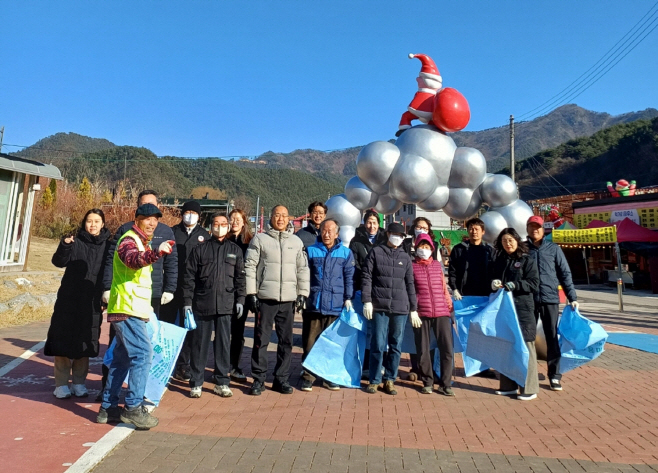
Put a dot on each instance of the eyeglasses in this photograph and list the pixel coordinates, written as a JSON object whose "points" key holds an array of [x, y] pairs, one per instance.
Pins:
{"points": [[418, 227]]}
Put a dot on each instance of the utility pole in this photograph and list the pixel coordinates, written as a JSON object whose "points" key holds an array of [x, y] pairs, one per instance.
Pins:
{"points": [[511, 147], [256, 221], [2, 136]]}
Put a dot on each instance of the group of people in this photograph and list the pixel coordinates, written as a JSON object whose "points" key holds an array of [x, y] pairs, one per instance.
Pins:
{"points": [[222, 274]]}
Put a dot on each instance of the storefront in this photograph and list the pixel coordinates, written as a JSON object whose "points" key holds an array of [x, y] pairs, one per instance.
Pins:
{"points": [[19, 181]]}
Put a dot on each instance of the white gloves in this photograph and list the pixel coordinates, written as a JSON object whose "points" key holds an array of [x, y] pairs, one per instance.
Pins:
{"points": [[105, 298], [367, 310], [166, 298], [575, 305], [496, 284], [456, 295], [348, 304], [239, 310], [165, 248], [415, 320]]}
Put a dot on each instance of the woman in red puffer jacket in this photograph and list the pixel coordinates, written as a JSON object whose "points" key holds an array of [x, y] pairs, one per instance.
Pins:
{"points": [[434, 310]]}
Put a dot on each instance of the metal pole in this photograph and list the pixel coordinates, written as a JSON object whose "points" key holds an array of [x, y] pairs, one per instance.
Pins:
{"points": [[586, 267], [620, 280], [511, 147], [256, 221]]}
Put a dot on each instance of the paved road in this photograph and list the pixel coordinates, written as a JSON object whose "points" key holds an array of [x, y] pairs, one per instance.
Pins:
{"points": [[606, 419]]}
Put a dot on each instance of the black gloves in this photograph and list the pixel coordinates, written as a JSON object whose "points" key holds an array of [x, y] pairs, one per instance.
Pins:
{"points": [[300, 303], [252, 303]]}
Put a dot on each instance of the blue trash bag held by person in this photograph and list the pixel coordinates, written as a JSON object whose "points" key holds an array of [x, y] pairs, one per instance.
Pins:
{"points": [[465, 310], [581, 340], [495, 338], [337, 355], [166, 343]]}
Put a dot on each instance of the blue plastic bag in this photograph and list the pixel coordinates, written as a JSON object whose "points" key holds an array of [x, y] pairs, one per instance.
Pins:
{"points": [[581, 340], [465, 310], [337, 355], [166, 343], [495, 338], [190, 323]]}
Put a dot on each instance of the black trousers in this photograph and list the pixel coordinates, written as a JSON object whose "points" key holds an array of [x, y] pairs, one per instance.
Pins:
{"points": [[200, 345], [237, 339], [281, 314], [313, 324], [170, 313], [549, 314], [442, 328]]}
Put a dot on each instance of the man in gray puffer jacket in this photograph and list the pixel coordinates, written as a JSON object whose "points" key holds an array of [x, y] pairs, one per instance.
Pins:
{"points": [[278, 282]]}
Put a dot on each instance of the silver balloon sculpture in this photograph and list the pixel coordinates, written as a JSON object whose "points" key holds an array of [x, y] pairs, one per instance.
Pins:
{"points": [[346, 234], [341, 210], [359, 194]]}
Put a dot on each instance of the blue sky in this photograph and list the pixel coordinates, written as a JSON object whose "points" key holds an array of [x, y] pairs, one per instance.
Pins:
{"points": [[221, 78]]}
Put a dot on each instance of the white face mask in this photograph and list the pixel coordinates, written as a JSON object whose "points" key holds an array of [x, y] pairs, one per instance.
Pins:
{"points": [[395, 240], [423, 253], [190, 219], [219, 231], [419, 232]]}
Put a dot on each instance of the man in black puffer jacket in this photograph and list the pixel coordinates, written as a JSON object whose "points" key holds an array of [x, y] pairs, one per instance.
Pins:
{"points": [[553, 271], [388, 295]]}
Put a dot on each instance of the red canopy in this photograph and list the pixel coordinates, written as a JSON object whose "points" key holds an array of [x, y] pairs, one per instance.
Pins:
{"points": [[628, 231]]}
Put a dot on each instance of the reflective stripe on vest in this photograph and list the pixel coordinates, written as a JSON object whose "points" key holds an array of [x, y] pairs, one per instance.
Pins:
{"points": [[131, 288]]}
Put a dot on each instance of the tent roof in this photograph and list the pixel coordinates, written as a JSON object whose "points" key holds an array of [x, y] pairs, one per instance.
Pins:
{"points": [[564, 226], [628, 231]]}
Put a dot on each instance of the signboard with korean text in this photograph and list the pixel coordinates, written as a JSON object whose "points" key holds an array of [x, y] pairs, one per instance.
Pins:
{"points": [[588, 236], [619, 215]]}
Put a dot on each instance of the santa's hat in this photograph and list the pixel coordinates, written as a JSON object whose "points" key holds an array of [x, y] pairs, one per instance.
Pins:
{"points": [[428, 68]]}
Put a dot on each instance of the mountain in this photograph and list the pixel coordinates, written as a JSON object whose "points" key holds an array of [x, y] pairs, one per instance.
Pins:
{"points": [[64, 145], [562, 124], [625, 150]]}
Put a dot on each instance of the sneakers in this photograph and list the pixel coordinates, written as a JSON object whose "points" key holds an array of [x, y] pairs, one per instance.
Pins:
{"points": [[256, 388], [79, 390], [526, 397], [446, 391], [62, 392], [507, 393], [182, 374], [238, 375], [372, 388], [195, 392], [556, 385], [111, 414], [389, 388], [307, 385], [331, 386], [282, 387], [140, 417], [222, 390], [427, 390]]}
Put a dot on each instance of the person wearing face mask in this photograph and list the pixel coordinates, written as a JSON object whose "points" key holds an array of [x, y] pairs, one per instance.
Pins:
{"points": [[188, 234], [420, 226], [76, 321], [277, 286], [434, 308], [516, 271], [240, 235], [388, 296], [213, 289]]}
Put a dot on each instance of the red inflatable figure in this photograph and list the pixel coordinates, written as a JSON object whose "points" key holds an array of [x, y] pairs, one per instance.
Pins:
{"points": [[555, 217], [447, 109]]}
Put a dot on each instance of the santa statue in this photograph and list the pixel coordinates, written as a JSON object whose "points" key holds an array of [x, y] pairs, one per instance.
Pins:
{"points": [[445, 108]]}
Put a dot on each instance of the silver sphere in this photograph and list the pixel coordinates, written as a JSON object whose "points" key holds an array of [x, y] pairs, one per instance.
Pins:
{"points": [[413, 179], [462, 203], [346, 234], [516, 215], [359, 195], [437, 200], [433, 145], [387, 205], [375, 163], [493, 225], [468, 170], [498, 190], [341, 210]]}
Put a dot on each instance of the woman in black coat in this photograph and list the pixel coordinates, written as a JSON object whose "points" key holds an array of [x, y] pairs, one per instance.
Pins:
{"points": [[75, 325], [515, 271]]}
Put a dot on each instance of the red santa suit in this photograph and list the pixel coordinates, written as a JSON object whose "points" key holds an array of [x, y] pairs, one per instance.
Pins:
{"points": [[429, 83]]}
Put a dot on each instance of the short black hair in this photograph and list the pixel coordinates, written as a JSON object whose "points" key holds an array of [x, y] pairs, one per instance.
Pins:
{"points": [[315, 204], [277, 206], [522, 247], [147, 192], [218, 214], [475, 221]]}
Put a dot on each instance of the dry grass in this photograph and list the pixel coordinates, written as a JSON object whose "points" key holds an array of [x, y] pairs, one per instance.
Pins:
{"points": [[25, 316], [41, 252]]}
